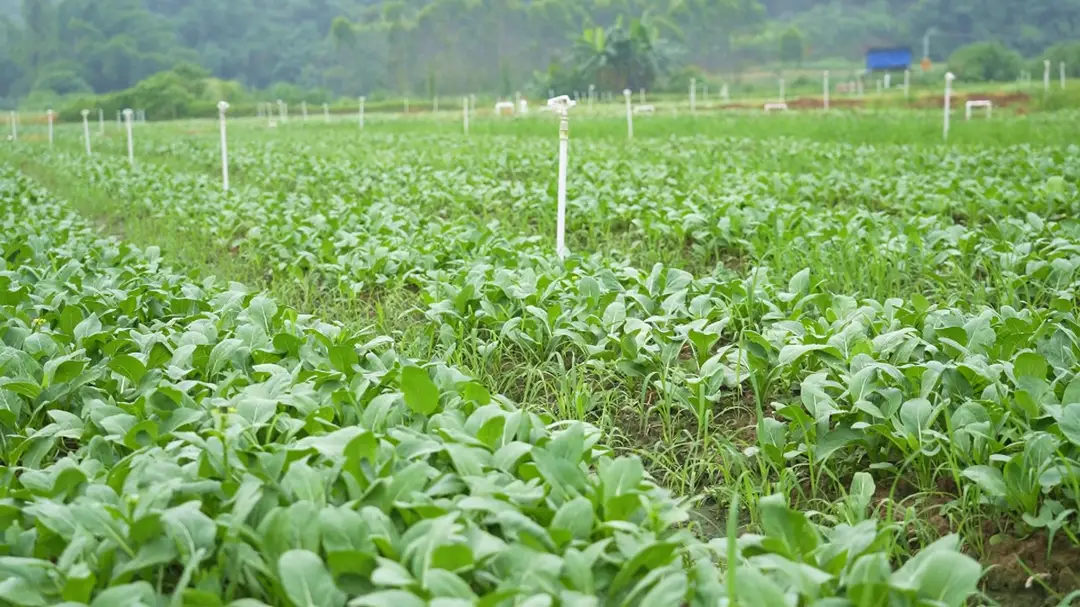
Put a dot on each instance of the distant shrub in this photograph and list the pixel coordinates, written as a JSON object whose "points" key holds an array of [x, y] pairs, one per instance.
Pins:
{"points": [[986, 62]]}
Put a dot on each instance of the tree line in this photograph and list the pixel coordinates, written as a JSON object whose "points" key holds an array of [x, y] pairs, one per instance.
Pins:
{"points": [[54, 48]]}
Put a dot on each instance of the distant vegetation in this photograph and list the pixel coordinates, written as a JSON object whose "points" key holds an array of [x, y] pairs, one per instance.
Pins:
{"points": [[51, 49]]}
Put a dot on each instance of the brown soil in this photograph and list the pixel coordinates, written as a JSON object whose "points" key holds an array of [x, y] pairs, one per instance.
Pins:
{"points": [[1013, 561], [1019, 101]]}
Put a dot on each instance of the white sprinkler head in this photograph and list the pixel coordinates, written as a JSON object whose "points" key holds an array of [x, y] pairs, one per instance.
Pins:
{"points": [[826, 72], [561, 105], [626, 92], [1046, 62], [949, 76], [84, 113], [222, 106], [128, 112], [280, 102]]}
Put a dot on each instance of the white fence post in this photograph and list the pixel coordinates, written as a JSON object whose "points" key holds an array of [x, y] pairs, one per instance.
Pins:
{"points": [[326, 112], [693, 95], [561, 105], [1061, 70], [641, 96], [303, 109], [592, 93], [49, 115], [907, 83], [629, 114], [948, 93], [781, 90], [101, 122], [222, 106], [724, 93], [131, 142], [465, 114], [1046, 77], [362, 99], [825, 90], [13, 118], [86, 129]]}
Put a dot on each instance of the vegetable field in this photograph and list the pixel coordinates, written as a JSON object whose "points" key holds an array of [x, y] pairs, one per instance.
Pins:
{"points": [[789, 360]]}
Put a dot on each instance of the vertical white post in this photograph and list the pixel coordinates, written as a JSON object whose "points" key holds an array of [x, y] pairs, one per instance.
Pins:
{"points": [[629, 114], [948, 93], [222, 106], [781, 90], [86, 129], [888, 80], [592, 93], [326, 112], [465, 113], [907, 83], [281, 111], [693, 95], [49, 115], [101, 122], [724, 93], [967, 112], [561, 105], [131, 142], [1046, 77], [14, 119], [303, 109], [641, 96], [1061, 70], [825, 90], [362, 99]]}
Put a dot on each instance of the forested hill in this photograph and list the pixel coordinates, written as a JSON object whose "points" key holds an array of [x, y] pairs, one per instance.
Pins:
{"points": [[420, 46]]}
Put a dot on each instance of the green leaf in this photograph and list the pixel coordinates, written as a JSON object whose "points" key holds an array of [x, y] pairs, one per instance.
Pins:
{"points": [[800, 283], [576, 517], [128, 366], [18, 591], [1070, 423], [1030, 364], [670, 590], [989, 479], [421, 394], [388, 598], [306, 581]]}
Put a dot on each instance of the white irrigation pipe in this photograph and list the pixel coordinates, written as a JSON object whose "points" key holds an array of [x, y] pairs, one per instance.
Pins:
{"points": [[641, 96], [49, 114], [629, 114], [465, 113], [303, 109], [222, 106], [724, 93], [986, 103], [86, 129], [14, 120], [907, 83], [948, 94], [362, 99], [592, 93], [131, 142], [1046, 77], [825, 90], [781, 90], [888, 80], [281, 111], [326, 112], [1061, 70], [561, 105]]}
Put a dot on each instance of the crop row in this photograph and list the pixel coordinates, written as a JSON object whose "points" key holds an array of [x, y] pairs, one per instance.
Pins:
{"points": [[167, 442]]}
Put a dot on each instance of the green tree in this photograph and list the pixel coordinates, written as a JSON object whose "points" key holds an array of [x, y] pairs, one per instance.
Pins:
{"points": [[792, 46]]}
